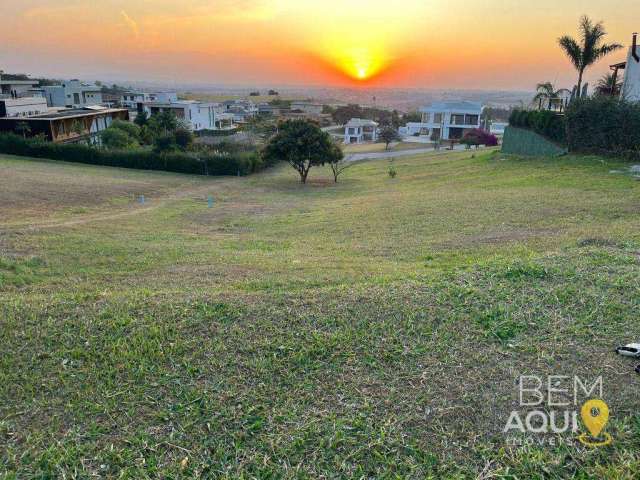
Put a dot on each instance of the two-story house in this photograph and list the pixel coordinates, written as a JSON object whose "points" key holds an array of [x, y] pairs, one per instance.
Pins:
{"points": [[447, 120], [196, 115], [360, 130]]}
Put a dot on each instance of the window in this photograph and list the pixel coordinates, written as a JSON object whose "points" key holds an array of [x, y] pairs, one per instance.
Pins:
{"points": [[437, 118], [471, 119]]}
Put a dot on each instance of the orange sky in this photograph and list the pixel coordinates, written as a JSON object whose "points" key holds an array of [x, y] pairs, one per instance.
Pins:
{"points": [[480, 44]]}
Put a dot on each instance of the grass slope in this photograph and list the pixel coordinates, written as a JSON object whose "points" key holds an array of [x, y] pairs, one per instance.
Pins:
{"points": [[370, 329]]}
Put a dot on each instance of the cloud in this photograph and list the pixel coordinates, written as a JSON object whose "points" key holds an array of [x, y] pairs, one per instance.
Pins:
{"points": [[130, 22]]}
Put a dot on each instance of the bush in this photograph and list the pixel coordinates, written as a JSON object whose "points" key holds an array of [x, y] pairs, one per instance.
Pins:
{"points": [[546, 123], [478, 136], [202, 163], [604, 125], [115, 138]]}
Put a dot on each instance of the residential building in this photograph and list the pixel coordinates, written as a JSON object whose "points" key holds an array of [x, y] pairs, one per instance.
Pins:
{"points": [[497, 128], [268, 109], [22, 106], [448, 120], [242, 110], [78, 125], [131, 100], [196, 115], [360, 130], [631, 85], [17, 88], [72, 94], [307, 107]]}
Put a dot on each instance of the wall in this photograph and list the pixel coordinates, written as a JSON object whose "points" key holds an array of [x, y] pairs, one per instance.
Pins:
{"points": [[631, 89], [518, 141]]}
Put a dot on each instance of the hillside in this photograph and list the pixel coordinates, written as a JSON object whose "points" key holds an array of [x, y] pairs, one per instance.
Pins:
{"points": [[369, 329]]}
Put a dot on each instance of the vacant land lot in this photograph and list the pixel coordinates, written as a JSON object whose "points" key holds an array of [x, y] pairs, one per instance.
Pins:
{"points": [[371, 329]]}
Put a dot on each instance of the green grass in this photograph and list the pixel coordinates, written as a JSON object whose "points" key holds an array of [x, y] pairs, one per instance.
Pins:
{"points": [[370, 329]]}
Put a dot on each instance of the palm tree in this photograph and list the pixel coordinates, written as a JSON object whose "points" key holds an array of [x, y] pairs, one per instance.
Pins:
{"points": [[590, 49], [608, 85], [547, 94]]}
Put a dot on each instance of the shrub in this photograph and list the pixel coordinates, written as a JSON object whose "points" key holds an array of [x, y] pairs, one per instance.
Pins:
{"points": [[477, 137], [115, 138], [544, 122], [129, 128], [203, 163], [604, 125]]}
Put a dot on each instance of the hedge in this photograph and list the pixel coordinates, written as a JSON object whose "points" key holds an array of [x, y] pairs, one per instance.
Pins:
{"points": [[548, 124], [242, 163], [604, 125], [526, 142]]}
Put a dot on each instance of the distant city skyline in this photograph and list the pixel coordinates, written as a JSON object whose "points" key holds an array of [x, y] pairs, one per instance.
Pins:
{"points": [[482, 44]]}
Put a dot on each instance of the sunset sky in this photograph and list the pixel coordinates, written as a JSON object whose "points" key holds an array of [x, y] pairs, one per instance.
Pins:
{"points": [[480, 44]]}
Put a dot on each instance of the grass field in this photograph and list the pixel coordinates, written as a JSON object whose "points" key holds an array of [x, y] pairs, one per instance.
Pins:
{"points": [[371, 329]]}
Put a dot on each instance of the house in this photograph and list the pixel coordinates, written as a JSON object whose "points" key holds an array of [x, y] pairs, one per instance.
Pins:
{"points": [[73, 94], [77, 125], [17, 88], [447, 120], [268, 109], [22, 106], [242, 110], [307, 107], [631, 85], [132, 100], [196, 115], [497, 128], [360, 130]]}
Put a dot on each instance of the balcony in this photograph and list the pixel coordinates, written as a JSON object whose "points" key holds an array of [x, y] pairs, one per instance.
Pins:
{"points": [[464, 120]]}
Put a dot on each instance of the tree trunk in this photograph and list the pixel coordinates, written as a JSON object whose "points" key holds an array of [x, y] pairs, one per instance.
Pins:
{"points": [[579, 92], [303, 176]]}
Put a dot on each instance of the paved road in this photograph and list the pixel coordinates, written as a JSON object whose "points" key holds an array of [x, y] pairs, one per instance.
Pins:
{"points": [[356, 157]]}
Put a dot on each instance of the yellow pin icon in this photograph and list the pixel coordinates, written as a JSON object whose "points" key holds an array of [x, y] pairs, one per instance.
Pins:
{"points": [[595, 415]]}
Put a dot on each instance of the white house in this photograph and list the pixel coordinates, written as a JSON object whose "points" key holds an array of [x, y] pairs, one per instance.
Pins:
{"points": [[631, 85], [241, 110], [308, 107], [497, 128], [17, 88], [446, 120], [196, 115], [360, 130], [131, 100], [22, 106], [72, 94]]}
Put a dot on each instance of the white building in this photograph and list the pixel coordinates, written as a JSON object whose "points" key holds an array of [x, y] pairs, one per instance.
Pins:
{"points": [[241, 110], [131, 100], [360, 130], [17, 88], [497, 128], [631, 85], [22, 106], [196, 115], [307, 107], [72, 94], [447, 120]]}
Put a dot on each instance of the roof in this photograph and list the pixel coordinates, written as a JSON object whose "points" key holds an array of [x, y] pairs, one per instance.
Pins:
{"points": [[19, 82], [459, 105], [72, 113], [361, 122]]}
